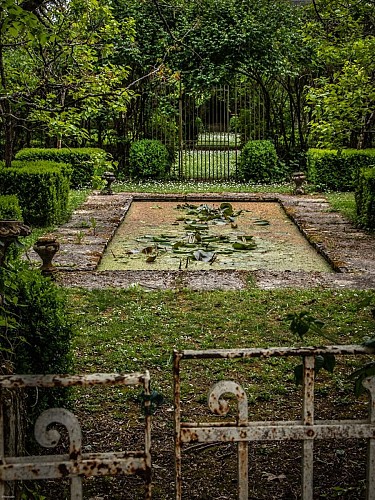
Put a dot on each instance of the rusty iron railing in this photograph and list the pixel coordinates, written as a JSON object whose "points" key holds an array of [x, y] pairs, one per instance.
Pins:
{"points": [[76, 464], [242, 431]]}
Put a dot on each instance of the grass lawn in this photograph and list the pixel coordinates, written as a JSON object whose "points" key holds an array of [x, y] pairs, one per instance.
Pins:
{"points": [[344, 203], [129, 330]]}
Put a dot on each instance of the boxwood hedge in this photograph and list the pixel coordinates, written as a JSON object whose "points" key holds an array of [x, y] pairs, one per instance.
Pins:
{"points": [[41, 188], [85, 162], [337, 170], [365, 198]]}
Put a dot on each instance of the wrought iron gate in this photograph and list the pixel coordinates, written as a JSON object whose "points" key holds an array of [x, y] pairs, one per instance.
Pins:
{"points": [[243, 431], [204, 134], [213, 129], [75, 464]]}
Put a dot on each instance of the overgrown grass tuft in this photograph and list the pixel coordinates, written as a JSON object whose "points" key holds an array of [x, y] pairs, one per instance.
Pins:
{"points": [[343, 203]]}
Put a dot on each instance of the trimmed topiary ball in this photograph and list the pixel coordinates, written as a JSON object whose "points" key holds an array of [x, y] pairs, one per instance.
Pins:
{"points": [[148, 159], [259, 163]]}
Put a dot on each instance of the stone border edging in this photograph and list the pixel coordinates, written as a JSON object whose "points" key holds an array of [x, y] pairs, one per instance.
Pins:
{"points": [[351, 252]]}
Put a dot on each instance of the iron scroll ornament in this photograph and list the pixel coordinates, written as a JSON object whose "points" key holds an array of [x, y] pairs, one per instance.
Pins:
{"points": [[49, 438]]}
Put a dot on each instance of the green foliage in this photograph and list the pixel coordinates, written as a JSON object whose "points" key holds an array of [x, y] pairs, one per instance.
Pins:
{"points": [[342, 97], [44, 324], [337, 170], [258, 162], [10, 208], [42, 190], [301, 324], [35, 332], [162, 126], [85, 162], [148, 159], [57, 69], [365, 198]]}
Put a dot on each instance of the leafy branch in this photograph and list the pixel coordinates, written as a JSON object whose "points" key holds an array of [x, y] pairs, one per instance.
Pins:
{"points": [[302, 323]]}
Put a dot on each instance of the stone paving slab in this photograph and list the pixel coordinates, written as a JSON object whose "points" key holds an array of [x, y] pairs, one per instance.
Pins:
{"points": [[83, 240]]}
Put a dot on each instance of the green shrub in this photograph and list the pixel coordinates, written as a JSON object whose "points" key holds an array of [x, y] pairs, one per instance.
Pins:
{"points": [[35, 331], [148, 159], [163, 128], [10, 208], [42, 190], [258, 163], [337, 170], [85, 162], [365, 198]]}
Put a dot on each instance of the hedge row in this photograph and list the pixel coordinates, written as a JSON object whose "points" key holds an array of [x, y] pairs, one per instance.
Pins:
{"points": [[85, 162], [42, 189], [10, 208], [365, 198], [337, 170]]}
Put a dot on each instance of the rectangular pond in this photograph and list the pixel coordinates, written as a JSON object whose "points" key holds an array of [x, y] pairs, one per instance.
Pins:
{"points": [[231, 235]]}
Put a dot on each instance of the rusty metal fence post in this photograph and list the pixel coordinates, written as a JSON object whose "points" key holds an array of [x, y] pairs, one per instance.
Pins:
{"points": [[75, 465], [242, 431]]}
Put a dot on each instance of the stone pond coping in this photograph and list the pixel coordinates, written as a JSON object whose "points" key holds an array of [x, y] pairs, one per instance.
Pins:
{"points": [[83, 240]]}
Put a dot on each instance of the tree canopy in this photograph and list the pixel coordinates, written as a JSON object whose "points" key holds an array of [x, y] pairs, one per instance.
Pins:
{"points": [[68, 69]]}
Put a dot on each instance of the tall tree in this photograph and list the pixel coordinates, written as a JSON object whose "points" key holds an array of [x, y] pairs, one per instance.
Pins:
{"points": [[342, 95], [55, 68]]}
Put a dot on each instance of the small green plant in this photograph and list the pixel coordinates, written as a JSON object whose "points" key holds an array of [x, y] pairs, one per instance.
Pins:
{"points": [[148, 159], [300, 324], [79, 237], [93, 223], [97, 182], [303, 323]]}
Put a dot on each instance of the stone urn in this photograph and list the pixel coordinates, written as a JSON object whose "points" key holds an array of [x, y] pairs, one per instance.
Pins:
{"points": [[46, 247], [109, 177], [10, 231], [299, 178]]}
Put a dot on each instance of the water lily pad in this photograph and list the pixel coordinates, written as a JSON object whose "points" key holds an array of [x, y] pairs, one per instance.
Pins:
{"points": [[243, 246], [204, 256], [245, 237], [199, 227], [151, 258], [261, 222]]}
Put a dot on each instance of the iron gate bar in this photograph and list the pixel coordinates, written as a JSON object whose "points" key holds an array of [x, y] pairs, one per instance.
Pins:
{"points": [[76, 464], [242, 431]]}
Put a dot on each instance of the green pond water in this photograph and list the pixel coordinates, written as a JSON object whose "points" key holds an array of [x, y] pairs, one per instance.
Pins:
{"points": [[160, 236]]}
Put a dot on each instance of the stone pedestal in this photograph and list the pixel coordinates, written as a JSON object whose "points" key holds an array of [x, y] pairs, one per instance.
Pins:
{"points": [[46, 247], [299, 178]]}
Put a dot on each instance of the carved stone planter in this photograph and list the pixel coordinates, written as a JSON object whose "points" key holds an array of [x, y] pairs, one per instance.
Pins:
{"points": [[46, 247], [109, 177], [10, 231], [299, 178]]}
